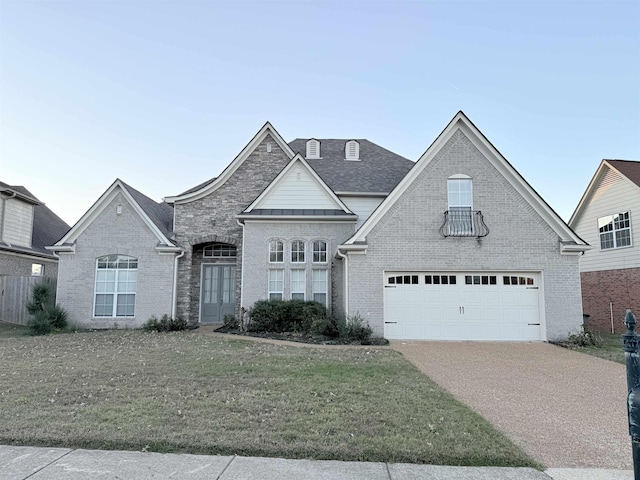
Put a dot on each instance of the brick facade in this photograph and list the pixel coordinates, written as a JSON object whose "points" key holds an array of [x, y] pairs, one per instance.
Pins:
{"points": [[20, 265], [407, 238], [108, 234], [213, 219], [610, 289]]}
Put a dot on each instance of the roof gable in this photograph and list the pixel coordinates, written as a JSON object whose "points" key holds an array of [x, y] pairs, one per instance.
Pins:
{"points": [[461, 122], [212, 185], [158, 217], [628, 169], [297, 187]]}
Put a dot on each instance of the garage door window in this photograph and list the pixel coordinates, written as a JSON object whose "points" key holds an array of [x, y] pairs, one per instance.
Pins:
{"points": [[480, 280], [440, 279], [517, 280], [404, 280]]}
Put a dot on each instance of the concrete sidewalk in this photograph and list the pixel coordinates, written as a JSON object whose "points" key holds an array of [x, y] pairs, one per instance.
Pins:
{"points": [[35, 463]]}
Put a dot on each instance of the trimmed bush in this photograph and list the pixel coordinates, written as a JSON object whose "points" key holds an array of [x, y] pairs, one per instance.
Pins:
{"points": [[285, 316], [165, 324]]}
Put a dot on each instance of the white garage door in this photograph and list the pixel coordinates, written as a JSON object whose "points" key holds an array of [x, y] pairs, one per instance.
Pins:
{"points": [[462, 306]]}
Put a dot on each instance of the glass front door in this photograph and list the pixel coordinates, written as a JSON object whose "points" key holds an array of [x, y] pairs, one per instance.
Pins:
{"points": [[218, 293]]}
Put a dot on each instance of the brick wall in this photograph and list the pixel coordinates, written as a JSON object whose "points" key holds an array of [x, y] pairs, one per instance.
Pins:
{"points": [[213, 219], [108, 234], [620, 287], [16, 264], [407, 238]]}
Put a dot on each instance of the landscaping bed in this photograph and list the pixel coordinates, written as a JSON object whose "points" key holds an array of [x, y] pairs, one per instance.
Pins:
{"points": [[201, 394]]}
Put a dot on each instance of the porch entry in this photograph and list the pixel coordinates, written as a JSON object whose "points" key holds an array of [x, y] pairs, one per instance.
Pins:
{"points": [[218, 292]]}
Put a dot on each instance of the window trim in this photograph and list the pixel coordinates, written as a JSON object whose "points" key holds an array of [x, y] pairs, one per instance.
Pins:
{"points": [[293, 291], [281, 281], [298, 253], [115, 293], [277, 252], [615, 230], [37, 272], [325, 285], [320, 252]]}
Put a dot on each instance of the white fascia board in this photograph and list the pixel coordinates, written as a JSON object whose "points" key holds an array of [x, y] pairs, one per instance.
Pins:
{"points": [[235, 164], [460, 121], [283, 173], [297, 218], [362, 194], [69, 248], [360, 248], [98, 207], [588, 192], [573, 249], [168, 249]]}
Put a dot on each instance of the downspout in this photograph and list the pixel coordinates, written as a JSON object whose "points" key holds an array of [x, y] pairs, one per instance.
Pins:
{"points": [[174, 306], [346, 281], [242, 268]]}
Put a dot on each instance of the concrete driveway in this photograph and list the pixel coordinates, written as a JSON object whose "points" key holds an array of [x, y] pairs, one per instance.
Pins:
{"points": [[565, 409]]}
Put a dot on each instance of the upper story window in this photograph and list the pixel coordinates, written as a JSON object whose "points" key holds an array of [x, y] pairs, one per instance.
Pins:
{"points": [[615, 231], [460, 197], [219, 250], [297, 251], [313, 148], [319, 251], [352, 150], [116, 282], [37, 270], [276, 251]]}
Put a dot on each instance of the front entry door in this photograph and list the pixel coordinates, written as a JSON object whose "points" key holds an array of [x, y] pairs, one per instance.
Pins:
{"points": [[218, 295]]}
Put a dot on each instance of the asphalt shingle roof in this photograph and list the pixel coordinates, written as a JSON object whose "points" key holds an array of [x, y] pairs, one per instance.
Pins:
{"points": [[161, 214], [378, 169], [629, 168]]}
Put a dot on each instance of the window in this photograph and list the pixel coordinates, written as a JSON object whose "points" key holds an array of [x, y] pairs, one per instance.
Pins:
{"points": [[319, 251], [276, 284], [615, 231], [460, 195], [276, 251], [319, 286], [480, 280], [298, 284], [517, 280], [440, 279], [115, 291], [404, 280], [219, 250], [352, 150], [37, 269], [297, 251]]}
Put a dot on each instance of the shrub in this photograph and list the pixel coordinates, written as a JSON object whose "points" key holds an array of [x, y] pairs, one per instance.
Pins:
{"points": [[165, 324], [285, 316], [585, 338], [230, 321], [355, 330], [57, 317], [325, 325], [39, 324], [41, 298]]}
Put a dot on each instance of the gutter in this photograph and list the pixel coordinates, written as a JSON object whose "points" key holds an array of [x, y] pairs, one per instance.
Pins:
{"points": [[174, 303], [241, 223], [345, 258]]}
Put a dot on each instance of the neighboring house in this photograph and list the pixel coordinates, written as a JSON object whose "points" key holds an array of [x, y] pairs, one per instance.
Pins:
{"points": [[26, 227], [608, 217], [454, 246]]}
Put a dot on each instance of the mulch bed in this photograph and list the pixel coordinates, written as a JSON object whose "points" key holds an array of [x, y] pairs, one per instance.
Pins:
{"points": [[298, 337]]}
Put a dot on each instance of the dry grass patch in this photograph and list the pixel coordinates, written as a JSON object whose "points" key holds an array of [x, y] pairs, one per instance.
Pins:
{"points": [[187, 392]]}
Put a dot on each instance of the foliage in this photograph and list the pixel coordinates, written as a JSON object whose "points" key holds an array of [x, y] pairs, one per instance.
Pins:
{"points": [[46, 316], [285, 316], [230, 321], [355, 330], [165, 324], [586, 338]]}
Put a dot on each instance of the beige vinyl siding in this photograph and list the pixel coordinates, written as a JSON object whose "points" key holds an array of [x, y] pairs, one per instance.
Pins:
{"points": [[18, 222], [615, 194], [298, 189], [362, 206]]}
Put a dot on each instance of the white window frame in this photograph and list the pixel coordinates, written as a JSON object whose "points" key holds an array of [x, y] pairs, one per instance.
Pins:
{"points": [[611, 220], [37, 270], [298, 252], [319, 252], [111, 264], [219, 250], [275, 283], [320, 286], [276, 251], [460, 204], [298, 286]]}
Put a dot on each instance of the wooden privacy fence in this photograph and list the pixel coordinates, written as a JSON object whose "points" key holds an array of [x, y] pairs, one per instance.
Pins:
{"points": [[14, 294]]}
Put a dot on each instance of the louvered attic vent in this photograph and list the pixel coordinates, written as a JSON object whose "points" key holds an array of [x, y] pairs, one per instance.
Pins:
{"points": [[313, 148], [352, 150]]}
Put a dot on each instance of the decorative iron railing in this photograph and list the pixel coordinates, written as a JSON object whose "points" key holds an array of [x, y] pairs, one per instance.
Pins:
{"points": [[463, 223]]}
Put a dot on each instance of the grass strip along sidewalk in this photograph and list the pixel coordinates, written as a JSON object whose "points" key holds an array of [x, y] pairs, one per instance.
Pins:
{"points": [[187, 392]]}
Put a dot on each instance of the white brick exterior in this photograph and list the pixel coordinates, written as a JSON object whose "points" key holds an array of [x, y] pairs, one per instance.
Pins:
{"points": [[407, 238], [108, 234]]}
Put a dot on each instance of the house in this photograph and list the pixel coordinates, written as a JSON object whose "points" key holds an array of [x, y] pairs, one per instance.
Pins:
{"points": [[454, 246], [608, 217], [27, 226]]}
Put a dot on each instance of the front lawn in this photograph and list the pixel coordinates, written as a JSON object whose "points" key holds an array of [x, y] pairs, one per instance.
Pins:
{"points": [[10, 330], [609, 349], [197, 393]]}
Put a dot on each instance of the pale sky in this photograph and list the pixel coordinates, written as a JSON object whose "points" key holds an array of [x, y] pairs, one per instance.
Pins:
{"points": [[164, 94]]}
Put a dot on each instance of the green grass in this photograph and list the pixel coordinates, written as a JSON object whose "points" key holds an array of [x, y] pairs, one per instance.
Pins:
{"points": [[196, 393], [10, 330], [610, 348]]}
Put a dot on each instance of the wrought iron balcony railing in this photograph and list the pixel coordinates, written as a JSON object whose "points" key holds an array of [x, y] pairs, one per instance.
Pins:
{"points": [[463, 223]]}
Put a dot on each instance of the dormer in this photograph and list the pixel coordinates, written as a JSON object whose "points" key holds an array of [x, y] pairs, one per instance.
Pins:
{"points": [[352, 150], [313, 148], [16, 227]]}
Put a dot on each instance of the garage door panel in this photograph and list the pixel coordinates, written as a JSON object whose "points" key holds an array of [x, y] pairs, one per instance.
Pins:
{"points": [[464, 309]]}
